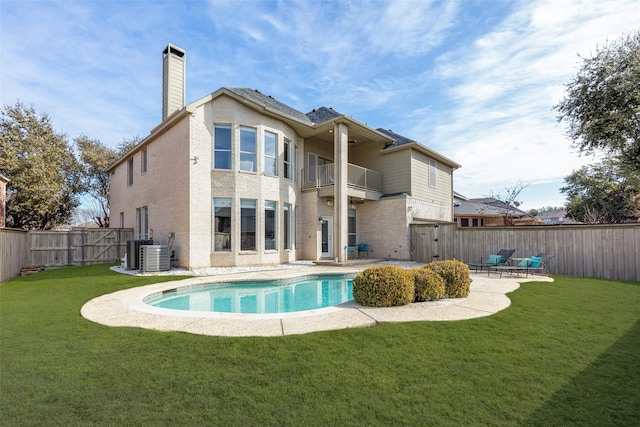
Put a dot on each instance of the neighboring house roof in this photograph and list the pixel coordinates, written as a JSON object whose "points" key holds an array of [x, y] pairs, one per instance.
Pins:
{"points": [[468, 207], [556, 216], [487, 206], [4, 178]]}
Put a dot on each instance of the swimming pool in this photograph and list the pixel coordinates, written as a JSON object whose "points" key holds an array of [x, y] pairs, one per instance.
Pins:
{"points": [[278, 296]]}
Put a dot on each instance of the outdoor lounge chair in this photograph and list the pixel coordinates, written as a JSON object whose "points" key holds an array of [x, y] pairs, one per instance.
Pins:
{"points": [[528, 265], [501, 258]]}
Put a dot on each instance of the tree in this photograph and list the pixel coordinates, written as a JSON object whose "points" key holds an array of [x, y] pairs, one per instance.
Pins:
{"points": [[507, 201], [602, 193], [128, 144], [45, 176], [95, 158], [602, 104]]}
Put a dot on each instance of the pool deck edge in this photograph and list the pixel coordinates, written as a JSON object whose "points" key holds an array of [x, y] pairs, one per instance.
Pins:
{"points": [[126, 307]]}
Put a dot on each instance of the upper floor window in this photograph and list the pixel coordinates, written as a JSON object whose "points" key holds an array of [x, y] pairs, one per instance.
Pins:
{"points": [[143, 161], [130, 172], [295, 164], [432, 172], [270, 153], [288, 158], [222, 147], [248, 149]]}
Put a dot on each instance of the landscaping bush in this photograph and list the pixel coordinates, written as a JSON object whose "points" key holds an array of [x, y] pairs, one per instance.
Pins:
{"points": [[383, 286], [456, 276], [429, 285]]}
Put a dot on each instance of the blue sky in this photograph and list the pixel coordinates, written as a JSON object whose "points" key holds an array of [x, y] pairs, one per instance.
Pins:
{"points": [[474, 80]]}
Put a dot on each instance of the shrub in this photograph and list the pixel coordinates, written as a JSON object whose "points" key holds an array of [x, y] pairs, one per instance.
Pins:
{"points": [[383, 286], [429, 285], [456, 276]]}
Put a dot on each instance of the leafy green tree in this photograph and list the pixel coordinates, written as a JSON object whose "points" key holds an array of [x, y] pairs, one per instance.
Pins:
{"points": [[602, 104], [602, 193], [45, 176], [95, 158]]}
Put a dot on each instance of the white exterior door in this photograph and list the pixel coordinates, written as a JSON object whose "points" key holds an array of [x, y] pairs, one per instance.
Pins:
{"points": [[327, 237]]}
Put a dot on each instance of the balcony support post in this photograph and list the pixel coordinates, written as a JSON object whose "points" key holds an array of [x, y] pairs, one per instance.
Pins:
{"points": [[340, 205]]}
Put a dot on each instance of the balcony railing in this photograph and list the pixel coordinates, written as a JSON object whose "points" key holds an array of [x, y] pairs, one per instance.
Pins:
{"points": [[357, 177]]}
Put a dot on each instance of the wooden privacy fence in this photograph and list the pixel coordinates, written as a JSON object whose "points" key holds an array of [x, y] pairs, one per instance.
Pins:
{"points": [[60, 248], [609, 251], [13, 251]]}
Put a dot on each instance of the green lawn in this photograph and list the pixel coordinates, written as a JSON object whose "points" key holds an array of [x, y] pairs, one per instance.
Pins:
{"points": [[564, 353]]}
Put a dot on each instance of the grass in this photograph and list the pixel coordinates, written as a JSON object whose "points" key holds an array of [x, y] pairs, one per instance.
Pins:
{"points": [[563, 353]]}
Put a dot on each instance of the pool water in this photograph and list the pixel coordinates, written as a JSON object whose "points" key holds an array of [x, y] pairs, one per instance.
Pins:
{"points": [[306, 293]]}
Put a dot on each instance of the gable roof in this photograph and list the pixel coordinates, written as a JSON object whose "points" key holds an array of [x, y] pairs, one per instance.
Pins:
{"points": [[306, 125], [270, 102], [486, 206], [397, 138]]}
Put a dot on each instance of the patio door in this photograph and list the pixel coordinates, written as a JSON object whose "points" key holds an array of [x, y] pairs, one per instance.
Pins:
{"points": [[327, 237]]}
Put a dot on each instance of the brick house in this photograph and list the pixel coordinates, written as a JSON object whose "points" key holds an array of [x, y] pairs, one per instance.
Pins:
{"points": [[238, 178]]}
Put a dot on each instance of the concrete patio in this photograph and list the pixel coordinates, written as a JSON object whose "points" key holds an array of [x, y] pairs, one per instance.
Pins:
{"points": [[126, 308]]}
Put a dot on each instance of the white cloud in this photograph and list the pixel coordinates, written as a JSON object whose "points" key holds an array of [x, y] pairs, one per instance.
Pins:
{"points": [[502, 127]]}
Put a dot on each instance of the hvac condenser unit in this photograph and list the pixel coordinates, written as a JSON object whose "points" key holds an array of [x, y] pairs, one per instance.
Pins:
{"points": [[154, 258], [133, 252]]}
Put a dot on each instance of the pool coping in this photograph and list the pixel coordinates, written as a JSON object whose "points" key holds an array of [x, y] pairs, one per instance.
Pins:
{"points": [[127, 308]]}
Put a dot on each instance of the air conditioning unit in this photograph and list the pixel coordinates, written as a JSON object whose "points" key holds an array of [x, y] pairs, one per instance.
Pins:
{"points": [[133, 252], [154, 258]]}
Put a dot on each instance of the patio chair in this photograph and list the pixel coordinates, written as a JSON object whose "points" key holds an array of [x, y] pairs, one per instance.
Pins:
{"points": [[351, 250], [501, 258], [363, 247], [542, 263], [528, 265]]}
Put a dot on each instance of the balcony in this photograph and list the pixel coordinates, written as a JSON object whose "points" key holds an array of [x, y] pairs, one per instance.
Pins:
{"points": [[361, 182]]}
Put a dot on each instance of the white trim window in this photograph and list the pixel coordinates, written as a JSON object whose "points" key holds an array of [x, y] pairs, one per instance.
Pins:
{"points": [[270, 153], [221, 146], [248, 149], [130, 172], [221, 225], [433, 169], [247, 225], [287, 225], [270, 225], [143, 161], [288, 159], [142, 223], [351, 228]]}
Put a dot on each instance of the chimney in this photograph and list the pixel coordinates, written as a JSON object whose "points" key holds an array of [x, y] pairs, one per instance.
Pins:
{"points": [[173, 80]]}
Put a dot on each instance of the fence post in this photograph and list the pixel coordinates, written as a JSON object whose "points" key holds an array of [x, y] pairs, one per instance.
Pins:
{"points": [[69, 260], [82, 243]]}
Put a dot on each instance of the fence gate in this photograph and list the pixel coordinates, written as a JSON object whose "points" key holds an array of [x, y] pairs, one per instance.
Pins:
{"points": [[432, 242], [77, 247]]}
